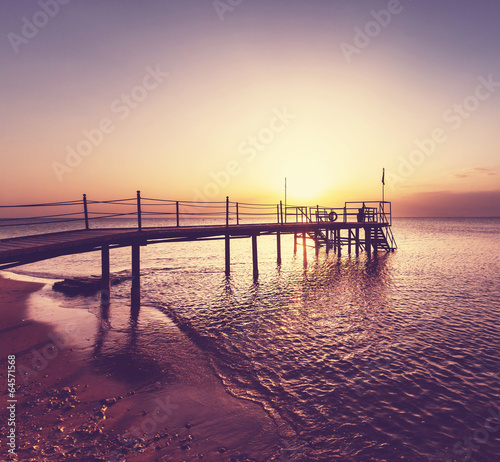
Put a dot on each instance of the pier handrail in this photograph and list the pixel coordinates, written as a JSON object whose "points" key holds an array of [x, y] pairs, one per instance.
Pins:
{"points": [[377, 211], [177, 213]]}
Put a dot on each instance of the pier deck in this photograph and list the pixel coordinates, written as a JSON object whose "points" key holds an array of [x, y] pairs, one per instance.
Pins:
{"points": [[29, 249], [359, 225]]}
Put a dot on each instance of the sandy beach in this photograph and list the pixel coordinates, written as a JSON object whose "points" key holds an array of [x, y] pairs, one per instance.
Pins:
{"points": [[76, 404]]}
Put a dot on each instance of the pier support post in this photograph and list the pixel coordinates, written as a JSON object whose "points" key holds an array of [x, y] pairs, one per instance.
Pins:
{"points": [[105, 276], [278, 245], [304, 249], [349, 241], [255, 260], [136, 273], [228, 255], [368, 241], [295, 243], [357, 241], [339, 243]]}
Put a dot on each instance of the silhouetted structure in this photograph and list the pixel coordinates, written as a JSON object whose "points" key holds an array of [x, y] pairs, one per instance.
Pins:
{"points": [[326, 226]]}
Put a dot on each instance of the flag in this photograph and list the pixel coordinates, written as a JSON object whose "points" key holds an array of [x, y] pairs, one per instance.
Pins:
{"points": [[383, 176]]}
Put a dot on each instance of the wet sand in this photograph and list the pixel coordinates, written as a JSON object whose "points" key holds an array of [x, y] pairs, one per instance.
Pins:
{"points": [[77, 403]]}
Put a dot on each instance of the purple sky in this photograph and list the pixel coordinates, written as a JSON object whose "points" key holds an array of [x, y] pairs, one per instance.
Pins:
{"points": [[254, 92]]}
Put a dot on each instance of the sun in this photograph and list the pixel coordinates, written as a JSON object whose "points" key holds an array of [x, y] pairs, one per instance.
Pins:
{"points": [[306, 180]]}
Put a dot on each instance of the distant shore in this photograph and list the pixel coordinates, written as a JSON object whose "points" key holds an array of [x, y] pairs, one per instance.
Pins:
{"points": [[70, 410]]}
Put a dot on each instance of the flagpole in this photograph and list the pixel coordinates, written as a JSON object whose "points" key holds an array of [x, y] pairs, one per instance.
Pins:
{"points": [[383, 190], [285, 199], [383, 185]]}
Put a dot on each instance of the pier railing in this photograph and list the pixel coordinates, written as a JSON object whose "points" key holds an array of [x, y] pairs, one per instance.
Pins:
{"points": [[373, 211], [138, 212], [131, 212], [367, 211]]}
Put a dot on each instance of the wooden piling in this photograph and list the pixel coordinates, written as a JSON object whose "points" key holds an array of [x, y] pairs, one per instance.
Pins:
{"points": [[357, 240], [294, 243], [105, 275], [136, 270], [255, 260], [177, 212], [304, 249], [278, 245], [368, 241], [349, 241], [228, 255], [339, 243]]}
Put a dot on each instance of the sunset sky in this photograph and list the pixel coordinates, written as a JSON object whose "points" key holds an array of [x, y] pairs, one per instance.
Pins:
{"points": [[197, 99]]}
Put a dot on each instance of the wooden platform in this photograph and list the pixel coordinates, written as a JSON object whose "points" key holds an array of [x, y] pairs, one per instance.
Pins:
{"points": [[29, 249], [358, 225]]}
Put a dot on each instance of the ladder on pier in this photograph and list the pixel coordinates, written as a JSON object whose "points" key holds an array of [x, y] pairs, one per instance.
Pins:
{"points": [[320, 237], [382, 238], [376, 221]]}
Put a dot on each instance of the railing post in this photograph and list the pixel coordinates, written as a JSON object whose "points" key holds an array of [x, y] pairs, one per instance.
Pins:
{"points": [[278, 213], [139, 217], [227, 211], [317, 213], [177, 212], [85, 211], [237, 214], [345, 214], [281, 212]]}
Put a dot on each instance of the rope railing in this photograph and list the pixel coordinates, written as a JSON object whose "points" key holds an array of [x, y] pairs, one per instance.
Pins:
{"points": [[169, 212], [42, 216], [46, 204]]}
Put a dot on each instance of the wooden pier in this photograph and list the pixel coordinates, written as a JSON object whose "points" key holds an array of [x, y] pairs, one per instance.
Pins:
{"points": [[358, 226]]}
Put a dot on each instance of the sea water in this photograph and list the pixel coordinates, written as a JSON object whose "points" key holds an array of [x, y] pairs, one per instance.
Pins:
{"points": [[393, 357]]}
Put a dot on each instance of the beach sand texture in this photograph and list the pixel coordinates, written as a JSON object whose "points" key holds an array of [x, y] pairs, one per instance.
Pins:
{"points": [[71, 408]]}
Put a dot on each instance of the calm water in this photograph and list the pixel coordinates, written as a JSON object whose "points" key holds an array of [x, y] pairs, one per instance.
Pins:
{"points": [[393, 358]]}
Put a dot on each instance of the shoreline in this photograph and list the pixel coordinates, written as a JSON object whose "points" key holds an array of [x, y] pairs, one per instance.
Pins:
{"points": [[83, 396]]}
